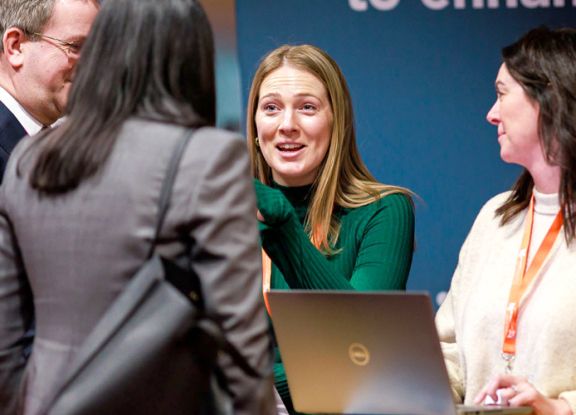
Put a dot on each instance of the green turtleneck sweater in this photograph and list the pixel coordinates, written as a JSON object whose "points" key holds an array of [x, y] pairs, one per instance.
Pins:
{"points": [[374, 248]]}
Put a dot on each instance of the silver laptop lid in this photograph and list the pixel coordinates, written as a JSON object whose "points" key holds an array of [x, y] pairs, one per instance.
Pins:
{"points": [[361, 353]]}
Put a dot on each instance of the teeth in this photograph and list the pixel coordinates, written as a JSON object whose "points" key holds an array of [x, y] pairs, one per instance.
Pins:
{"points": [[289, 146]]}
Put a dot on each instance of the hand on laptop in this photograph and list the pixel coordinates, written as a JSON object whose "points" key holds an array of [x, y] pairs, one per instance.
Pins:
{"points": [[517, 391], [503, 395]]}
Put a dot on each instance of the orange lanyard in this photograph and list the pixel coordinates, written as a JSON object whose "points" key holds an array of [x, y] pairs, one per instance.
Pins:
{"points": [[523, 278], [266, 278]]}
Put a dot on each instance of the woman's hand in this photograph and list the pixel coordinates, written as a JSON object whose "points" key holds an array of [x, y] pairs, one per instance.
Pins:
{"points": [[517, 391], [273, 207]]}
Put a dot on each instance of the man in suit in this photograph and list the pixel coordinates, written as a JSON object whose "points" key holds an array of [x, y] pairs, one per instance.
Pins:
{"points": [[39, 47], [41, 43]]}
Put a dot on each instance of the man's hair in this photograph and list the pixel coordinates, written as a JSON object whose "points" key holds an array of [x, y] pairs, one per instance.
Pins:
{"points": [[29, 15]]}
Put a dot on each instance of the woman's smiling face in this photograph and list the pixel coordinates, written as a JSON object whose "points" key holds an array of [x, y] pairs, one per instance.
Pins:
{"points": [[294, 125], [516, 117]]}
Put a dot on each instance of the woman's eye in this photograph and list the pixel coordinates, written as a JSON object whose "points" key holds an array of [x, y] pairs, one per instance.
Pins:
{"points": [[308, 107], [269, 107]]}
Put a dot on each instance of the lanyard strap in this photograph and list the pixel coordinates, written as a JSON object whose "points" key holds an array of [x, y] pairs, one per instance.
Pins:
{"points": [[523, 277], [266, 277]]}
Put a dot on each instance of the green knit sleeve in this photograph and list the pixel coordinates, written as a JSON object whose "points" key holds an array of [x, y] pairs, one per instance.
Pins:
{"points": [[273, 206], [385, 254], [382, 260]]}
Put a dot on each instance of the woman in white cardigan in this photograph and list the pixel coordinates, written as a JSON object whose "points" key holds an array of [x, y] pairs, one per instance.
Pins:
{"points": [[508, 325]]}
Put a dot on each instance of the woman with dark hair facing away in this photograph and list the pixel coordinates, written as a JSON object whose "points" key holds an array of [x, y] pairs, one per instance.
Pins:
{"points": [[325, 222], [78, 204], [508, 325]]}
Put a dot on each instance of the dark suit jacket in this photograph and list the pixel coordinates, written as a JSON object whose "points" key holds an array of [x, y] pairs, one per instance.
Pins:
{"points": [[11, 131]]}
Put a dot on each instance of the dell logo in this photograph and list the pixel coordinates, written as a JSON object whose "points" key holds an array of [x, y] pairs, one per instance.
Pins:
{"points": [[359, 354]]}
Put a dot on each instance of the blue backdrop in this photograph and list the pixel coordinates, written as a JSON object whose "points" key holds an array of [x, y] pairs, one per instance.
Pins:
{"points": [[421, 73]]}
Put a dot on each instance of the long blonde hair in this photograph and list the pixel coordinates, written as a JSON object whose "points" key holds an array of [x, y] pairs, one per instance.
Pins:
{"points": [[343, 179]]}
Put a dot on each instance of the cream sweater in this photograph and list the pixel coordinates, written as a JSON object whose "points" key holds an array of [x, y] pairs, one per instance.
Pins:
{"points": [[470, 322]]}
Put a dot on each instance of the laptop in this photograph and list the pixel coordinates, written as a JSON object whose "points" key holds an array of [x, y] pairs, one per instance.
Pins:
{"points": [[364, 353]]}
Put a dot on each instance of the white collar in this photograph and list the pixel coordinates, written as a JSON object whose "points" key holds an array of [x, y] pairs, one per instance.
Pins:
{"points": [[548, 204], [30, 124]]}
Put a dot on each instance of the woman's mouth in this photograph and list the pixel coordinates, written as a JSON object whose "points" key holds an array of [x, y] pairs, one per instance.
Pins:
{"points": [[290, 147]]}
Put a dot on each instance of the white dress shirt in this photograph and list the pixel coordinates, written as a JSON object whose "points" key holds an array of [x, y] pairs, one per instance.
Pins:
{"points": [[30, 124]]}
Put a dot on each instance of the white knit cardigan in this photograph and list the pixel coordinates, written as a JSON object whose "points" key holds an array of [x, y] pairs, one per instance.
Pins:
{"points": [[470, 322]]}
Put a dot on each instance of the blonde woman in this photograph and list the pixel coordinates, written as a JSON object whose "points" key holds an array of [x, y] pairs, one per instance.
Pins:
{"points": [[325, 222]]}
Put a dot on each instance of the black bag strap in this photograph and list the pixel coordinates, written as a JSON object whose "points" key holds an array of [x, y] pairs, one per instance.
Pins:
{"points": [[209, 327], [168, 184], [163, 204]]}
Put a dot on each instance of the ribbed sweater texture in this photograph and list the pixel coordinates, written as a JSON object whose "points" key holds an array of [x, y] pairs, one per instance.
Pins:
{"points": [[373, 251]]}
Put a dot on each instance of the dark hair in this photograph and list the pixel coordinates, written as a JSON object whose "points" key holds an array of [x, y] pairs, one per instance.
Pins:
{"points": [[147, 58], [543, 62]]}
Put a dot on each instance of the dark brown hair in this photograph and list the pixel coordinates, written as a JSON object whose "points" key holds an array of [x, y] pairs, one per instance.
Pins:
{"points": [[146, 58], [543, 62]]}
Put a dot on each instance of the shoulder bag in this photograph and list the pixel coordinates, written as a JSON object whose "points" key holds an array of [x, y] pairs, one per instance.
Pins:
{"points": [[154, 351]]}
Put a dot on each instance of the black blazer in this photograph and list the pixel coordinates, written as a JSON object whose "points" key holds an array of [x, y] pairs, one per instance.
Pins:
{"points": [[11, 131]]}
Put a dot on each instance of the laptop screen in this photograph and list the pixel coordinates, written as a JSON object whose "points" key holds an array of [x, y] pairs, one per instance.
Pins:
{"points": [[361, 352]]}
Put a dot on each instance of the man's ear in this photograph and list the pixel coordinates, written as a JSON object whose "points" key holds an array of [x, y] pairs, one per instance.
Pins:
{"points": [[12, 42]]}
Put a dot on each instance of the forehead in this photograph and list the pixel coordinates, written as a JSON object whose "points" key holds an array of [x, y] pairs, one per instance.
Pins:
{"points": [[504, 76], [290, 80], [72, 17]]}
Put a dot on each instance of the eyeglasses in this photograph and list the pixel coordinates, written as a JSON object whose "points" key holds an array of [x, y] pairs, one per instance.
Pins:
{"points": [[72, 49]]}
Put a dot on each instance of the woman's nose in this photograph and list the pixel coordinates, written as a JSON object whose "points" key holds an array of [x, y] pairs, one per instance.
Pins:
{"points": [[493, 116], [288, 124]]}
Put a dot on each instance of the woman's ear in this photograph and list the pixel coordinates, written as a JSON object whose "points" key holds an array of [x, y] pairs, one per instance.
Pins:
{"points": [[12, 46]]}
